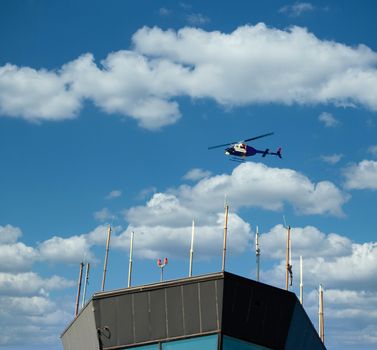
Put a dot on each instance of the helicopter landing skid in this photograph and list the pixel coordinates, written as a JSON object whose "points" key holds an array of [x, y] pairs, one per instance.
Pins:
{"points": [[238, 160]]}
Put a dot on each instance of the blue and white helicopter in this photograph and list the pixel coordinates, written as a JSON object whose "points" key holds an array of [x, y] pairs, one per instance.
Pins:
{"points": [[239, 150]]}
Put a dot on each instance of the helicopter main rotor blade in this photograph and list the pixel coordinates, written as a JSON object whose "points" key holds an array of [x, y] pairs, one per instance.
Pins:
{"points": [[232, 143], [225, 144], [258, 137]]}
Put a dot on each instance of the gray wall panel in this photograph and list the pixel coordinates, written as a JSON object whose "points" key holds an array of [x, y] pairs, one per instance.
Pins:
{"points": [[125, 326], [158, 314], [82, 334], [175, 311], [141, 317], [208, 306], [191, 308]]}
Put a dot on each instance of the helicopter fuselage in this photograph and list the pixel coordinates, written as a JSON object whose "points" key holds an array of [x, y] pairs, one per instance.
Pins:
{"points": [[242, 150]]}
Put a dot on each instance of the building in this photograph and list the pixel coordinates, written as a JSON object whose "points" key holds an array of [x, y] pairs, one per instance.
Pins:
{"points": [[216, 311]]}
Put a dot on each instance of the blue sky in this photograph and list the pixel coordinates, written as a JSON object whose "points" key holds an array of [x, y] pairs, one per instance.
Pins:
{"points": [[106, 113]]}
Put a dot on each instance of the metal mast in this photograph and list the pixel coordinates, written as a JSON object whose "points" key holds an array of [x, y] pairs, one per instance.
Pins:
{"points": [[301, 283], [106, 257], [257, 253], [130, 261], [225, 236], [287, 258], [321, 326], [85, 284], [192, 248], [78, 290]]}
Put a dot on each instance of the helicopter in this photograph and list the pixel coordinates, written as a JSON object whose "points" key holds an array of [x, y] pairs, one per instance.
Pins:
{"points": [[239, 150]]}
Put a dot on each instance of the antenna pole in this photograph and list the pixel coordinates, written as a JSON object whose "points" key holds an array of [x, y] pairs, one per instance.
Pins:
{"points": [[78, 290], [106, 257], [257, 252], [287, 258], [301, 283], [321, 316], [130, 262], [85, 284], [192, 248], [225, 234]]}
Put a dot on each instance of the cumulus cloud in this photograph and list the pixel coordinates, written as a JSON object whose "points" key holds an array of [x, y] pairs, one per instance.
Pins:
{"points": [[361, 176], [68, 250], [373, 150], [252, 64], [197, 19], [164, 222], [308, 241], [328, 120], [9, 234], [196, 174], [103, 215], [297, 9], [17, 257], [167, 239], [332, 158], [114, 194], [30, 283]]}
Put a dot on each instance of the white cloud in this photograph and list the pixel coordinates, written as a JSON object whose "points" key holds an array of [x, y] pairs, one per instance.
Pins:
{"points": [[373, 150], [197, 19], [332, 158], [257, 64], [255, 184], [253, 64], [114, 194], [36, 95], [331, 259], [17, 257], [152, 241], [30, 283], [328, 120], [196, 174], [297, 9], [307, 241], [103, 215], [36, 318], [69, 250], [164, 12], [9, 234], [164, 222], [361, 176]]}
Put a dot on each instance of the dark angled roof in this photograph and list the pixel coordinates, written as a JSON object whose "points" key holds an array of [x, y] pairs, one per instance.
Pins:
{"points": [[221, 303]]}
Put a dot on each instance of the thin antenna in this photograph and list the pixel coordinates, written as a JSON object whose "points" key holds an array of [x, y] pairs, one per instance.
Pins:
{"points": [[301, 283], [288, 271], [85, 284], [225, 236], [257, 252], [78, 290], [130, 262], [106, 257], [192, 248], [321, 325], [290, 260]]}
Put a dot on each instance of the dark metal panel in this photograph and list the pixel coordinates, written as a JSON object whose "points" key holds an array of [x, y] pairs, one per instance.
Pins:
{"points": [[208, 306], [191, 308], [107, 309], [302, 334], [174, 305], [125, 326], [157, 314], [141, 317], [256, 312]]}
